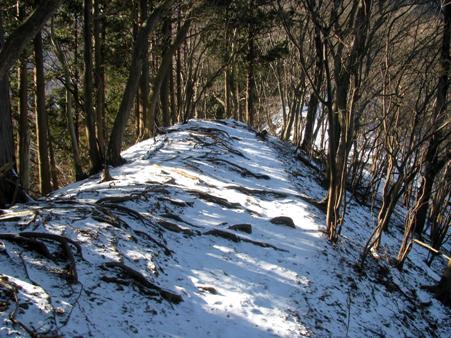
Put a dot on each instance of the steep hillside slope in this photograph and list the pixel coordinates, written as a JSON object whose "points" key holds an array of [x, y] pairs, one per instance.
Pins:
{"points": [[205, 232]]}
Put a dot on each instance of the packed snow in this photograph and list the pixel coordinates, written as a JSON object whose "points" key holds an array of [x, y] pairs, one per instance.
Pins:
{"points": [[214, 213]]}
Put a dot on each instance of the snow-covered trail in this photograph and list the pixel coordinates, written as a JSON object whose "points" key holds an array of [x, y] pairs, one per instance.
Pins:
{"points": [[170, 215], [229, 289], [240, 289]]}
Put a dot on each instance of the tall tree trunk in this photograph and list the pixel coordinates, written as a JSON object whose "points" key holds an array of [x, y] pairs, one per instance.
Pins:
{"points": [[41, 119], [308, 140], [162, 71], [432, 163], [172, 92], [139, 53], [227, 76], [250, 94], [343, 119], [99, 32], [164, 91], [77, 106], [7, 161], [24, 132], [94, 154], [178, 83], [69, 109], [143, 100], [178, 71]]}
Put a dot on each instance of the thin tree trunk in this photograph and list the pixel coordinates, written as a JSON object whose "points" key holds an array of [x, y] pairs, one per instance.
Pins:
{"points": [[7, 161], [308, 140], [164, 90], [99, 31], [53, 169], [41, 119], [432, 164], [162, 71], [143, 100], [69, 109], [250, 94], [94, 154], [24, 132]]}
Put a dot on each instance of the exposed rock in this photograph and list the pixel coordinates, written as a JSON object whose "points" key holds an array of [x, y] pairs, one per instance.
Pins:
{"points": [[207, 288], [247, 228], [174, 227], [283, 220]]}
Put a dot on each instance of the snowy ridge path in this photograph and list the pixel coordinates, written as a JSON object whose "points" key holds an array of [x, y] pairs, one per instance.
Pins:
{"points": [[164, 229]]}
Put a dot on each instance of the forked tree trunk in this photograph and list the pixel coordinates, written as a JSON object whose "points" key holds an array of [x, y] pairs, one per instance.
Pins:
{"points": [[162, 72], [139, 54]]}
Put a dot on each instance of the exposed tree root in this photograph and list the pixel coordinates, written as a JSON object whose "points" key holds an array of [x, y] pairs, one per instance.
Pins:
{"points": [[278, 194], [214, 199], [175, 228], [242, 171], [72, 276], [54, 237], [30, 243], [130, 212], [107, 217], [152, 188], [261, 192], [30, 240], [176, 202], [235, 238], [218, 143], [143, 283], [157, 148], [177, 218], [17, 216], [166, 250]]}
